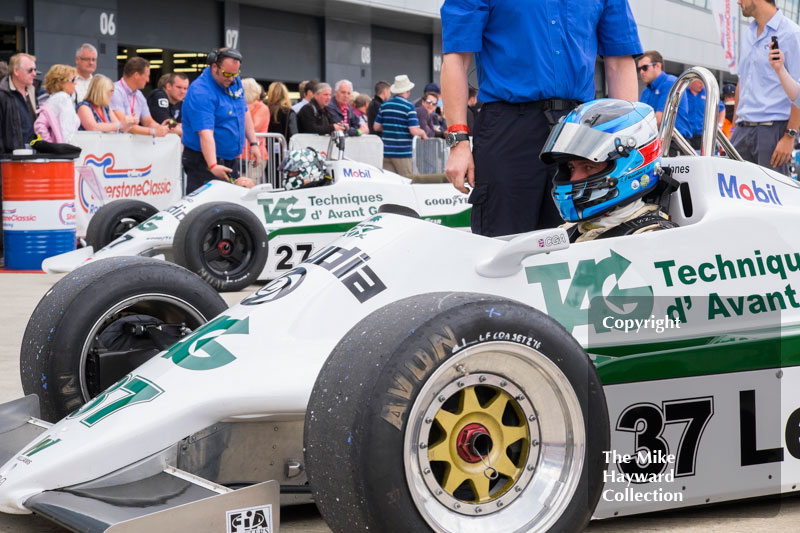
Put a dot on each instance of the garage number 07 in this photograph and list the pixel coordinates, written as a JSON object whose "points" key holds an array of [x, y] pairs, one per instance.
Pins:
{"points": [[647, 422]]}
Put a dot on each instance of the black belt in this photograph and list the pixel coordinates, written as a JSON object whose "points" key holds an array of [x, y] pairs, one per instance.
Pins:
{"points": [[551, 104], [754, 124]]}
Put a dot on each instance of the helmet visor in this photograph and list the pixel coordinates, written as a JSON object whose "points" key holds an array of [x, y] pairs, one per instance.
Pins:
{"points": [[568, 138]]}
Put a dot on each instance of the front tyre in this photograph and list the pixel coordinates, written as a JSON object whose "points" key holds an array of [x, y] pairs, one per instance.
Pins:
{"points": [[103, 320], [223, 243], [114, 219], [457, 412]]}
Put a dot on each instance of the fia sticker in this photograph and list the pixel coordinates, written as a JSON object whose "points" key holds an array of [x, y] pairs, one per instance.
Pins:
{"points": [[250, 520]]}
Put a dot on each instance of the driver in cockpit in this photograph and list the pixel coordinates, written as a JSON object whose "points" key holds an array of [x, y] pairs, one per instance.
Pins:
{"points": [[609, 180]]}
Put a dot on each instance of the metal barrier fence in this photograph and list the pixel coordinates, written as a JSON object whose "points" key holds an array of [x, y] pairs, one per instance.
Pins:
{"points": [[429, 156], [274, 149], [365, 148]]}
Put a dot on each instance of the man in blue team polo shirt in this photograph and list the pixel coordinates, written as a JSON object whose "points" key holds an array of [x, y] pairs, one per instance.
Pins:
{"points": [[535, 62], [216, 122], [659, 83], [696, 95]]}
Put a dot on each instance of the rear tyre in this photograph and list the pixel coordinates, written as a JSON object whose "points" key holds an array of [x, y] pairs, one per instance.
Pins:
{"points": [[223, 243], [103, 320], [456, 412], [112, 220]]}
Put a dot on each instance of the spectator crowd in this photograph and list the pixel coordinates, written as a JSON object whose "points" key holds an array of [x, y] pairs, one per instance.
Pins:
{"points": [[77, 98]]}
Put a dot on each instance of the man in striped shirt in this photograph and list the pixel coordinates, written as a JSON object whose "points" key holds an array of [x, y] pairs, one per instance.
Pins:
{"points": [[398, 121]]}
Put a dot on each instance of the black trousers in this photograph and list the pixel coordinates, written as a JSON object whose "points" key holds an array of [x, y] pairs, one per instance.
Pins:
{"points": [[197, 173], [513, 187]]}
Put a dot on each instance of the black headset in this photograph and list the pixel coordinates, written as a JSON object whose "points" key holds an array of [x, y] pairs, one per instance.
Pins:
{"points": [[219, 54]]}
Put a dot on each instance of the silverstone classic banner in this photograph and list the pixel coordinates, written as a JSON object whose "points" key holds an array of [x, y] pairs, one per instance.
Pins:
{"points": [[113, 167]]}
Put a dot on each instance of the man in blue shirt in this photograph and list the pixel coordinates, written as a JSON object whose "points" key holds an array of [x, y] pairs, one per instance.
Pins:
{"points": [[535, 61], [766, 122], [696, 95], [216, 122], [398, 121], [659, 83]]}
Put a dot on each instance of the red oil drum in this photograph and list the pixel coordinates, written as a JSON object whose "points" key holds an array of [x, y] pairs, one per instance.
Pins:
{"points": [[38, 211]]}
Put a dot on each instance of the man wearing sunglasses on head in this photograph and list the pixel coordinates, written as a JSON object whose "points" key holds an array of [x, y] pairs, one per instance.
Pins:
{"points": [[216, 123], [17, 103], [659, 83]]}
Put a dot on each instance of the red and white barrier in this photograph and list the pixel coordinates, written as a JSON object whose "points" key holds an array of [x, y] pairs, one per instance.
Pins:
{"points": [[115, 166]]}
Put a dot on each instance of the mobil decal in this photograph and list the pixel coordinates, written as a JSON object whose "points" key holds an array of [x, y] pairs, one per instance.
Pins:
{"points": [[356, 173], [752, 192], [107, 164]]}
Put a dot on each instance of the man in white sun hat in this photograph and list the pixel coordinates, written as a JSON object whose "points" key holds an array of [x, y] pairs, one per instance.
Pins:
{"points": [[397, 119]]}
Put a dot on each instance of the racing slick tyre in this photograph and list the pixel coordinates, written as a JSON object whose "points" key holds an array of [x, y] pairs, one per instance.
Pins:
{"points": [[104, 319], [112, 220], [223, 243], [456, 412]]}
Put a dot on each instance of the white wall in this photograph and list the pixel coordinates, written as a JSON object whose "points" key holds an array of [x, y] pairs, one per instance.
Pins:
{"points": [[681, 32], [421, 7]]}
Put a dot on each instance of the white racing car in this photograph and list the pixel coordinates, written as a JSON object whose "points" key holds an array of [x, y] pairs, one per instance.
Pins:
{"points": [[413, 377], [231, 236]]}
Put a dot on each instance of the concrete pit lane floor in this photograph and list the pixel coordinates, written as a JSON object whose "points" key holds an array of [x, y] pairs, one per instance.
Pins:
{"points": [[21, 292]]}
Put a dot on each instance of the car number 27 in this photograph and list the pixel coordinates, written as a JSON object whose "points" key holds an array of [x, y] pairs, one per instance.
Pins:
{"points": [[290, 256]]}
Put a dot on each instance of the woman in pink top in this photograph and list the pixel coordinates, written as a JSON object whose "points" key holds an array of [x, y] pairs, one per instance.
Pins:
{"points": [[258, 111]]}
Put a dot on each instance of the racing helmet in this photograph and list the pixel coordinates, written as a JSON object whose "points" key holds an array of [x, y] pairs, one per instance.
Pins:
{"points": [[303, 168], [623, 134]]}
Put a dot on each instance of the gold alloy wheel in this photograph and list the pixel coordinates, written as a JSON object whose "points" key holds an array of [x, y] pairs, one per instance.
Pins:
{"points": [[481, 443], [497, 424]]}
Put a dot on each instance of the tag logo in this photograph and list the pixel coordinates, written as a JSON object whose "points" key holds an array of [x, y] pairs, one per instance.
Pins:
{"points": [[283, 210], [587, 285]]}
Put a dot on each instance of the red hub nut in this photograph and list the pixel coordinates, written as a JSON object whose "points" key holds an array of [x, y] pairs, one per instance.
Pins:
{"points": [[473, 442]]}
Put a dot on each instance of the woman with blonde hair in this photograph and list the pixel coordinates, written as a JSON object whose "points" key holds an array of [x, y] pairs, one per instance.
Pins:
{"points": [[57, 119], [284, 119], [259, 112], [94, 112]]}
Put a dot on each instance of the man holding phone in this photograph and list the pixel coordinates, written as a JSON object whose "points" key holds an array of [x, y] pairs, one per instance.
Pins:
{"points": [[766, 122]]}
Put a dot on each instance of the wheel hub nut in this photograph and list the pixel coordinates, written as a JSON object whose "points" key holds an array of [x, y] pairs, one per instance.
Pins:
{"points": [[473, 442], [224, 247]]}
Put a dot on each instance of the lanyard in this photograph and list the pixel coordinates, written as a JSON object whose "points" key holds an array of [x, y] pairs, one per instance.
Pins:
{"points": [[130, 94], [100, 113]]}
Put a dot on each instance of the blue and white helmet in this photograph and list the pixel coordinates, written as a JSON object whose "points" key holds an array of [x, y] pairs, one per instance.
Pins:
{"points": [[622, 133]]}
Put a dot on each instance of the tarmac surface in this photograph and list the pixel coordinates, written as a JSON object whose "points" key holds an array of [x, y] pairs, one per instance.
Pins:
{"points": [[20, 293]]}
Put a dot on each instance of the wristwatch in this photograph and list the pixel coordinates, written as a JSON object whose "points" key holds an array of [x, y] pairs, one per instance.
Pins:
{"points": [[453, 138], [791, 133]]}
